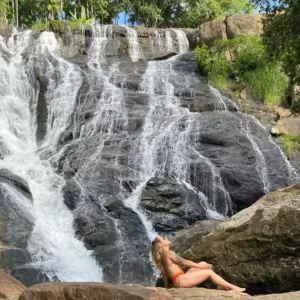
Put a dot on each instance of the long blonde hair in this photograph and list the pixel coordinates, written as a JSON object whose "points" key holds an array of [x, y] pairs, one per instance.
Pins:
{"points": [[156, 254]]}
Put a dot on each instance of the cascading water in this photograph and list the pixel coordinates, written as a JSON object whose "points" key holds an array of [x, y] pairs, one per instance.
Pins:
{"points": [[111, 131], [53, 245], [164, 147], [97, 51]]}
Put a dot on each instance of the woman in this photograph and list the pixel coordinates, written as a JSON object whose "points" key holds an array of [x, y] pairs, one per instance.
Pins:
{"points": [[169, 263]]}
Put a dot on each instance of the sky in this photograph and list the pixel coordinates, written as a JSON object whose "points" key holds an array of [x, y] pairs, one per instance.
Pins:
{"points": [[121, 20]]}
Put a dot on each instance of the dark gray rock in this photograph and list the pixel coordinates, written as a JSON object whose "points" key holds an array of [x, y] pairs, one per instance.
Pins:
{"points": [[71, 192], [193, 37], [115, 234], [12, 257], [158, 56], [16, 223], [171, 205], [29, 275], [42, 110], [15, 181]]}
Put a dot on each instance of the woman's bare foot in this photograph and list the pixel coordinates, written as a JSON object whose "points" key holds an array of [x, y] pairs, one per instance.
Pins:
{"points": [[234, 289], [238, 289]]}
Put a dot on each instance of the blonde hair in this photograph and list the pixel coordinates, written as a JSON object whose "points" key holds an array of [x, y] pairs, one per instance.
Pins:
{"points": [[156, 254]]}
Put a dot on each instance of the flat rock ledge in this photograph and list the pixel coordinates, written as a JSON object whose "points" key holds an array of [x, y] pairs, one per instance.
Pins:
{"points": [[105, 291]]}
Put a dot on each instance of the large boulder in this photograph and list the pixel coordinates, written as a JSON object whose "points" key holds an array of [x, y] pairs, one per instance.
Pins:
{"points": [[104, 291], [10, 288], [183, 239], [246, 24], [211, 31], [258, 247], [231, 27], [289, 125], [91, 291]]}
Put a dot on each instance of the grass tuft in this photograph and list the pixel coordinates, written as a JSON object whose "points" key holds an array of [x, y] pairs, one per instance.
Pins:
{"points": [[268, 83]]}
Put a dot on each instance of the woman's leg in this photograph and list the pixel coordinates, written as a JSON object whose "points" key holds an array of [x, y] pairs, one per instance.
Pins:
{"points": [[193, 278]]}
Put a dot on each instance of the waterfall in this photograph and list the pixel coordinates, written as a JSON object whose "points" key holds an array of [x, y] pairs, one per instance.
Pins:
{"points": [[97, 51], [171, 40], [134, 46], [53, 245], [108, 129], [164, 146], [260, 160]]}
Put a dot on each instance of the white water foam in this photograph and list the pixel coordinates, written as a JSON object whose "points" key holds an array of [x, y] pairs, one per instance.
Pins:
{"points": [[97, 51], [53, 245], [135, 51]]}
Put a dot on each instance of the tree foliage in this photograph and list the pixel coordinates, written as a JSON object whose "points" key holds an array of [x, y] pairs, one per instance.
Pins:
{"points": [[282, 33], [196, 12], [151, 13], [3, 10]]}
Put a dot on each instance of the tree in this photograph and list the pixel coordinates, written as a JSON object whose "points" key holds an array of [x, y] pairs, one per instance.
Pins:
{"points": [[196, 12], [53, 6], [282, 33], [3, 11]]}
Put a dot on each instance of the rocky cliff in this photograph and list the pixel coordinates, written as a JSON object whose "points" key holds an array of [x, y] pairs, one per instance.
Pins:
{"points": [[105, 148]]}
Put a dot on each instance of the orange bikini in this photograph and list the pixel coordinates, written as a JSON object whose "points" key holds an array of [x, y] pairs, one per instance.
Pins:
{"points": [[177, 276]]}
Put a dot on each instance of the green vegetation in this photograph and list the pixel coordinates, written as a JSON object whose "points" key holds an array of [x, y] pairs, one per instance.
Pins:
{"points": [[3, 8], [282, 34], [291, 143], [248, 65], [192, 13], [152, 13], [268, 83]]}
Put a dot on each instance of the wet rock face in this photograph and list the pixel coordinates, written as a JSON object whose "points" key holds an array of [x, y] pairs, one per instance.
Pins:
{"points": [[29, 275], [258, 247], [114, 232], [15, 181], [101, 160], [16, 222], [171, 206], [142, 137]]}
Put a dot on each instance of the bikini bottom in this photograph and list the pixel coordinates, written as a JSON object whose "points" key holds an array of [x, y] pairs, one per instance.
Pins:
{"points": [[177, 276]]}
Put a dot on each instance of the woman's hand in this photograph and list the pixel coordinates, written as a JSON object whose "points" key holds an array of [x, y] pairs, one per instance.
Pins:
{"points": [[205, 265]]}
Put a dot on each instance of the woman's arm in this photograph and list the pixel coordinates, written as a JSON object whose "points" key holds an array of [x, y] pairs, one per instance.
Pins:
{"points": [[187, 263], [166, 280]]}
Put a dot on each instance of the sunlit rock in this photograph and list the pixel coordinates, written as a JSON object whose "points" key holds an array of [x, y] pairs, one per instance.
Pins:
{"points": [[258, 247]]}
